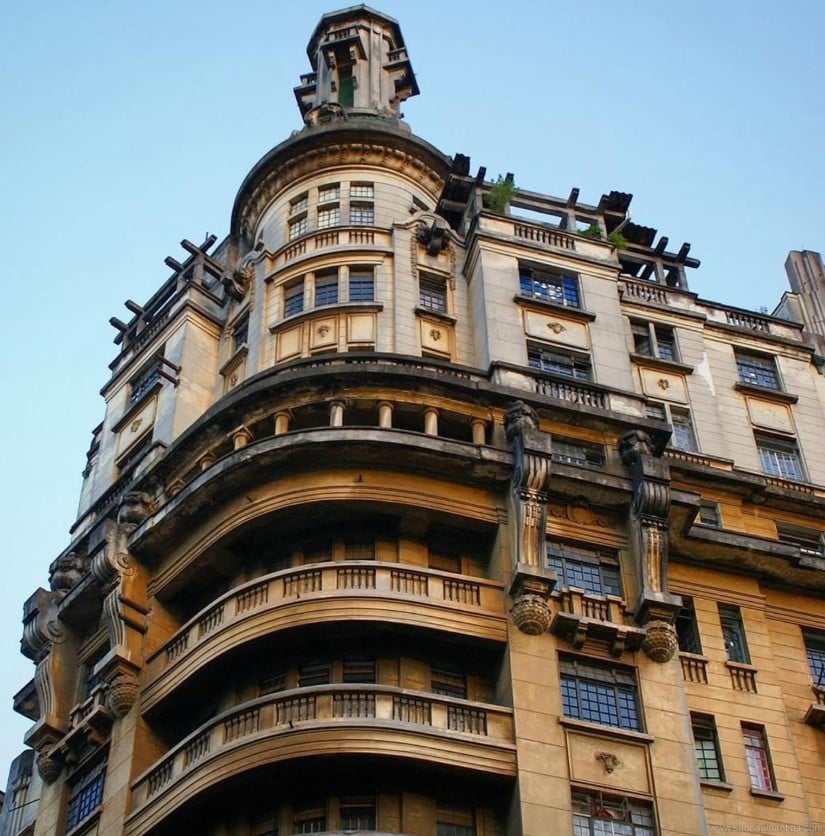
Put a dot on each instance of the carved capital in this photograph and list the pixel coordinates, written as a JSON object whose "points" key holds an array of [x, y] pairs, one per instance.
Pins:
{"points": [[434, 235], [67, 571], [134, 508]]}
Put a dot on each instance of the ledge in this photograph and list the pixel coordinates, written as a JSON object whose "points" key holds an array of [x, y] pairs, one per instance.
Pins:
{"points": [[659, 363], [440, 315], [815, 715], [236, 357], [606, 731], [765, 392], [324, 310], [715, 785], [551, 307], [770, 794]]}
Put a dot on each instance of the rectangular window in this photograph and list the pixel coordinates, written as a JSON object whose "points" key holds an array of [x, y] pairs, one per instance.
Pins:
{"points": [[299, 204], [600, 694], [361, 285], [815, 650], [578, 453], [361, 214], [779, 457], [329, 217], [757, 757], [548, 286], [558, 362], [444, 561], [313, 673], [706, 745], [595, 814], [298, 227], [359, 548], [240, 334], [733, 633], [359, 670], [273, 682], [326, 289], [683, 437], [145, 380], [687, 627], [757, 370], [588, 569], [709, 514], [266, 825], [454, 821], [362, 191], [448, 683], [309, 818], [652, 340], [327, 194], [809, 541], [294, 298], [85, 794], [432, 293], [357, 813]]}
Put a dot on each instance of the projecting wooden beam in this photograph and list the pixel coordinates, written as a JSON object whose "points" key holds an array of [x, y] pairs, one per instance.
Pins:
{"points": [[172, 264], [119, 324], [574, 196], [133, 307]]}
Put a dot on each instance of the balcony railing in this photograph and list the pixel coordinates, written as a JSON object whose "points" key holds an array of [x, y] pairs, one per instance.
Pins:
{"points": [[453, 601], [645, 292], [277, 717], [581, 616], [330, 238]]}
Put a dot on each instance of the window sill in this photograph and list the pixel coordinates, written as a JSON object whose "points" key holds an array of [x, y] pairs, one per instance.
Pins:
{"points": [[707, 784], [770, 794], [542, 304], [740, 666], [765, 392], [441, 315], [606, 731], [659, 363]]}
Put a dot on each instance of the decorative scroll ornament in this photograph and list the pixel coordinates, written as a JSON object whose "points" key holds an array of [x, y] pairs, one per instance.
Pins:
{"points": [[532, 583], [648, 523], [49, 767]]}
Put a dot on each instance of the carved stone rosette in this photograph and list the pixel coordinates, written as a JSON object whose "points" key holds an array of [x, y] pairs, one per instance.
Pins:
{"points": [[660, 643], [648, 523], [532, 583]]}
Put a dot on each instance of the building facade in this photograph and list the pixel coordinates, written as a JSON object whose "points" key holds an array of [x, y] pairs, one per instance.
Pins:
{"points": [[429, 505]]}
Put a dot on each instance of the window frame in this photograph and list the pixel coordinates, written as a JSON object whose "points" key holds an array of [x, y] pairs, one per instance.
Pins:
{"points": [[592, 455], [758, 758], [294, 298], [654, 335], [608, 687], [565, 558], [688, 635], [706, 747], [361, 213], [433, 295], [553, 360], [326, 288], [328, 216], [87, 784], [758, 370], [546, 284], [733, 634], [780, 457], [361, 276], [639, 817], [678, 416], [815, 654], [709, 514]]}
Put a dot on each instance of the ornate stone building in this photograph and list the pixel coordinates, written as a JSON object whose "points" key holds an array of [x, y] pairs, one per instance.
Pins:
{"points": [[428, 505]]}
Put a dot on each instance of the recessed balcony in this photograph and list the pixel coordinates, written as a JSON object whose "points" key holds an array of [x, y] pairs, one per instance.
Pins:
{"points": [[355, 591], [349, 720]]}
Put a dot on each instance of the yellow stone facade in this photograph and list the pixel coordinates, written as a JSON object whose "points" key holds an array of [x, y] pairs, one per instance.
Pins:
{"points": [[411, 513]]}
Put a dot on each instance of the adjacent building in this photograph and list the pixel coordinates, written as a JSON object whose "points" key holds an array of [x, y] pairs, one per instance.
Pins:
{"points": [[424, 504]]}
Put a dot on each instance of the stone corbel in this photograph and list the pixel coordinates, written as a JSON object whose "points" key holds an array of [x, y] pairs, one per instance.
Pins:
{"points": [[532, 582], [433, 234], [124, 614], [656, 609], [44, 642]]}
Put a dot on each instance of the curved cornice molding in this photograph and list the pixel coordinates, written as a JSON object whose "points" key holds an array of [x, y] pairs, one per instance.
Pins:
{"points": [[354, 142]]}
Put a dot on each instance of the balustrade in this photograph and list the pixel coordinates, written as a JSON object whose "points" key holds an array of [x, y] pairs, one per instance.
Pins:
{"points": [[324, 706]]}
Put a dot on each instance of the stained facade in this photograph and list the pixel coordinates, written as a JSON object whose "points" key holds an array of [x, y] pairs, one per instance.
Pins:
{"points": [[424, 504]]}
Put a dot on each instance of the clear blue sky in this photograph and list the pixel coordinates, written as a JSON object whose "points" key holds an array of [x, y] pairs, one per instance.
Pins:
{"points": [[129, 126]]}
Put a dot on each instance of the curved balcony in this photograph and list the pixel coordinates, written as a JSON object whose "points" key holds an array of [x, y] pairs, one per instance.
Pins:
{"points": [[369, 720], [390, 593]]}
